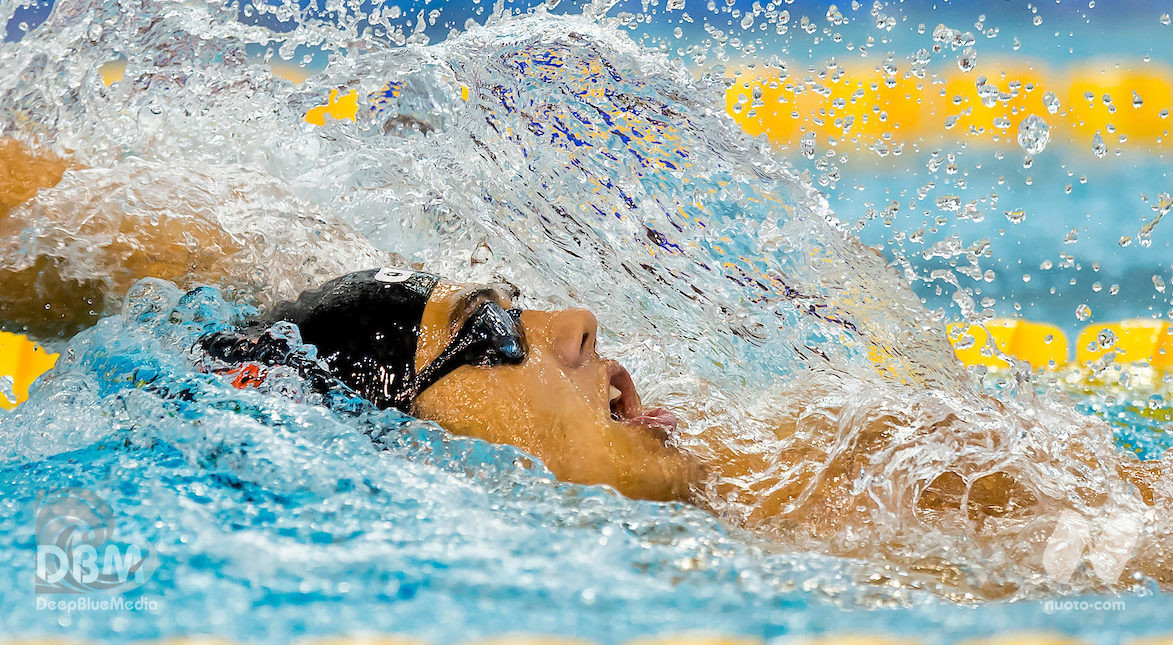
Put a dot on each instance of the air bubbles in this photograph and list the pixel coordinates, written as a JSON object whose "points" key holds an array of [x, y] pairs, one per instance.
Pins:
{"points": [[1083, 312], [1016, 215], [1165, 19], [1159, 283]]}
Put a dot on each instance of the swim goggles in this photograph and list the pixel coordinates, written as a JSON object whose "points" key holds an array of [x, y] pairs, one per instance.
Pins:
{"points": [[490, 337]]}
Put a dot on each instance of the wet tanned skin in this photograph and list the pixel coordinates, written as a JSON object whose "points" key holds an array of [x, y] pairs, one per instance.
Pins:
{"points": [[38, 298], [554, 405], [43, 299]]}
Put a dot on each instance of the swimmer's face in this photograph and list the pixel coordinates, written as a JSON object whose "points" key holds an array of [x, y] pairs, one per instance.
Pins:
{"points": [[577, 412]]}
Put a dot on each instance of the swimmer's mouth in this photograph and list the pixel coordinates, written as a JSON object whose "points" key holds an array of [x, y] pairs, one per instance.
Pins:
{"points": [[627, 408]]}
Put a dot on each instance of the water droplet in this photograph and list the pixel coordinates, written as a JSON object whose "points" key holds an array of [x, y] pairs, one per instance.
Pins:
{"points": [[482, 254], [968, 60], [1099, 148], [806, 146], [1033, 134], [6, 389], [1051, 102], [1105, 338], [1016, 216], [1083, 312], [1159, 284], [1136, 100], [1071, 237], [949, 203], [834, 16], [1164, 19]]}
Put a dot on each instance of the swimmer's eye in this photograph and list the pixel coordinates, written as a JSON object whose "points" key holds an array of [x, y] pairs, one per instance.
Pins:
{"points": [[501, 294], [490, 336]]}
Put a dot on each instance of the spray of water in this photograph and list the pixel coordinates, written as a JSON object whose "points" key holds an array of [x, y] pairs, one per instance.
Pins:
{"points": [[557, 153]]}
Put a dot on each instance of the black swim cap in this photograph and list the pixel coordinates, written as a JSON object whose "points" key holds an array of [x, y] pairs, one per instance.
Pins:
{"points": [[365, 326]]}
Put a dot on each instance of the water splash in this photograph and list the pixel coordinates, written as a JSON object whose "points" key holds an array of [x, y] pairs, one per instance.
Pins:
{"points": [[597, 173]]}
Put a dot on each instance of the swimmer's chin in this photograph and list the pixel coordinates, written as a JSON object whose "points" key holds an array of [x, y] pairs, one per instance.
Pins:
{"points": [[658, 470]]}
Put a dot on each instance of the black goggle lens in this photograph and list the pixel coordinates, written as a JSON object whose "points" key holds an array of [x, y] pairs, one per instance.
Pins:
{"points": [[490, 337]]}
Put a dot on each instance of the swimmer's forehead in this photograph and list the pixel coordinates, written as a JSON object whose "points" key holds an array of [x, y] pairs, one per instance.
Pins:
{"points": [[450, 295], [448, 306]]}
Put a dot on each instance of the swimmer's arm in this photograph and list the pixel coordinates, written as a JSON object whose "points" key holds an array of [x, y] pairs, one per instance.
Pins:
{"points": [[32, 294], [22, 174], [50, 295]]}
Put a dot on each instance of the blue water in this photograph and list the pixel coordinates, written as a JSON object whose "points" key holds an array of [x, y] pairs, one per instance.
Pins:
{"points": [[273, 516]]}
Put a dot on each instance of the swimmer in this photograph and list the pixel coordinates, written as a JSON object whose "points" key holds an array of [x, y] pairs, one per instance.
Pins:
{"points": [[466, 358]]}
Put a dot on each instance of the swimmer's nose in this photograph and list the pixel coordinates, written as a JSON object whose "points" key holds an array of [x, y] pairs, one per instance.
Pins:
{"points": [[573, 335]]}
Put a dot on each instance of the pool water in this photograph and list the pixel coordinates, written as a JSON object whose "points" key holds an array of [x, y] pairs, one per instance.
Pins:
{"points": [[563, 155]]}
